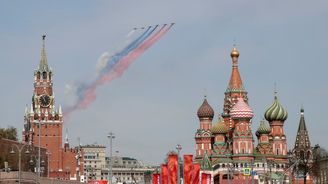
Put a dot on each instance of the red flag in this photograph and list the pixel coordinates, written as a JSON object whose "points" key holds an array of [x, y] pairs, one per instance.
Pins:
{"points": [[206, 178], [155, 178], [164, 174], [97, 182], [187, 169], [195, 173], [173, 168]]}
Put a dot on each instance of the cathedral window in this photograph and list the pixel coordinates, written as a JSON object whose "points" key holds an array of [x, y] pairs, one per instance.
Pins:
{"points": [[38, 75]]}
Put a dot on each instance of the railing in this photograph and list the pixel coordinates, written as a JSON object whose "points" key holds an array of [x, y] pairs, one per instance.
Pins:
{"points": [[29, 177]]}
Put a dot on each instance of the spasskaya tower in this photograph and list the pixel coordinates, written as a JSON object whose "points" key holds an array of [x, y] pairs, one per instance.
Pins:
{"points": [[42, 120]]}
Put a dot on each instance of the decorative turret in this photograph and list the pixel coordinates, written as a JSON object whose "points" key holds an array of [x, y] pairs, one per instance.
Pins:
{"points": [[205, 111], [302, 138], [203, 135], [60, 112], [262, 133], [241, 110], [276, 115], [242, 137], [264, 128], [66, 144], [302, 149], [206, 163], [275, 112]]}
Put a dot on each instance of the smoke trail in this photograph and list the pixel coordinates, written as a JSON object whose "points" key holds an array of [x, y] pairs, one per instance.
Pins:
{"points": [[111, 67], [118, 70], [104, 58], [116, 58]]}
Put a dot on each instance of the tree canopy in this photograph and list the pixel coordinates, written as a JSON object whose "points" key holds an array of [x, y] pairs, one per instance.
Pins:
{"points": [[9, 133]]}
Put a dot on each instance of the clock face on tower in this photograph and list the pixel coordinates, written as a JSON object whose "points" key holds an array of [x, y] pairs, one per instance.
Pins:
{"points": [[44, 100]]}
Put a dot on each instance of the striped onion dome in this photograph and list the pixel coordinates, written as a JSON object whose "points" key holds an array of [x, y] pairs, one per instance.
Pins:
{"points": [[241, 110], [264, 128], [205, 110], [219, 128], [275, 112]]}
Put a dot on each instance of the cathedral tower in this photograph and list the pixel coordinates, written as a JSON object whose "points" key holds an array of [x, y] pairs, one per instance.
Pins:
{"points": [[203, 135], [302, 148], [234, 90], [42, 120], [276, 116], [242, 136]]}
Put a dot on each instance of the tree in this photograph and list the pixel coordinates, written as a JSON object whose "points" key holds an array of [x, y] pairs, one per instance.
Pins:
{"points": [[9, 133]]}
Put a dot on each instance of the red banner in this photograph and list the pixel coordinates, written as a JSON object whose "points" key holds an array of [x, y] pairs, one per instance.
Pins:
{"points": [[195, 173], [97, 182], [156, 178], [164, 174], [173, 168], [206, 178], [187, 169]]}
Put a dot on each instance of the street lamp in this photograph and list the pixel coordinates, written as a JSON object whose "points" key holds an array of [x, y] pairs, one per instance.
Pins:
{"points": [[48, 164], [111, 136], [19, 158], [39, 150], [178, 147]]}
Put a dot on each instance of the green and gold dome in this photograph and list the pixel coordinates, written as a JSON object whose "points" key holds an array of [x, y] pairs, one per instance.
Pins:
{"points": [[219, 128], [275, 112], [264, 128]]}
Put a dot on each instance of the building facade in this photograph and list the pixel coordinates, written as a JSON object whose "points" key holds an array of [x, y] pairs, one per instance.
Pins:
{"points": [[226, 149], [43, 124], [128, 170], [94, 161]]}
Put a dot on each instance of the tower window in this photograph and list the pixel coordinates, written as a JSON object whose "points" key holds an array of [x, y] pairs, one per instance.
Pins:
{"points": [[44, 75]]}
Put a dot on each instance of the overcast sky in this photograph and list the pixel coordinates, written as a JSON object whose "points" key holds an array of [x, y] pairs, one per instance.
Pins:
{"points": [[153, 106]]}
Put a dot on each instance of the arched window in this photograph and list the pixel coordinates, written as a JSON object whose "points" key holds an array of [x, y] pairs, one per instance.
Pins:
{"points": [[38, 75], [44, 75]]}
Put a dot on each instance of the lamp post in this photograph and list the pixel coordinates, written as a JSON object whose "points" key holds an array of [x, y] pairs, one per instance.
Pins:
{"points": [[178, 147], [39, 143], [111, 136], [19, 158], [48, 164]]}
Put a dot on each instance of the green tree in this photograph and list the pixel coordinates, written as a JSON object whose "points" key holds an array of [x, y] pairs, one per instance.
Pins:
{"points": [[9, 133]]}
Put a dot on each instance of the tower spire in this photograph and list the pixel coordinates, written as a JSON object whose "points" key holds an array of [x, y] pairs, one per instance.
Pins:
{"points": [[302, 137], [43, 66], [235, 83]]}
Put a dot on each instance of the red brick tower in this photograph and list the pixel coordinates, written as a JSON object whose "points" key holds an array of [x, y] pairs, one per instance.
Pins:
{"points": [[242, 136], [264, 147], [234, 90], [203, 135], [276, 116], [44, 113]]}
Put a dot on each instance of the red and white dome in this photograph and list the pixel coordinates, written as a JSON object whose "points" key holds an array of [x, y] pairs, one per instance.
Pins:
{"points": [[241, 110]]}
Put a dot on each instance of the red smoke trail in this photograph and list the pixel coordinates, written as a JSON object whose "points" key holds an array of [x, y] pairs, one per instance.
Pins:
{"points": [[119, 69]]}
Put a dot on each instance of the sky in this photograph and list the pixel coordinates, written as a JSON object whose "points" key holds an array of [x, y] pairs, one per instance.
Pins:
{"points": [[153, 106]]}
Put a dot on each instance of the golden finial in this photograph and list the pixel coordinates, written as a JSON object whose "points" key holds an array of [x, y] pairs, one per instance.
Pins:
{"points": [[234, 52]]}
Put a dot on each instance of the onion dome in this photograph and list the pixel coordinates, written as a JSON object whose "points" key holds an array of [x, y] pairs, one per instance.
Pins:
{"points": [[219, 128], [241, 110], [275, 112], [264, 128], [234, 53], [205, 110]]}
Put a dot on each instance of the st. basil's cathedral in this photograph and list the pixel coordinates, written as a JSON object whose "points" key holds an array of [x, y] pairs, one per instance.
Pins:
{"points": [[226, 149]]}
